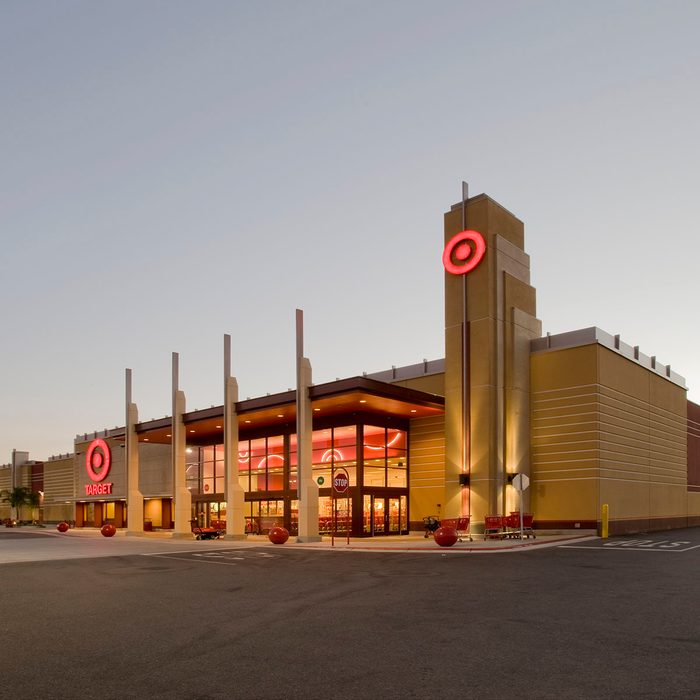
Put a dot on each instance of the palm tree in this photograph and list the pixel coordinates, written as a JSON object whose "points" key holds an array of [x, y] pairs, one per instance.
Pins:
{"points": [[18, 497]]}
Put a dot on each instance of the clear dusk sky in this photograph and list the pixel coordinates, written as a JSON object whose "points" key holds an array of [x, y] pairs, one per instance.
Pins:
{"points": [[174, 171]]}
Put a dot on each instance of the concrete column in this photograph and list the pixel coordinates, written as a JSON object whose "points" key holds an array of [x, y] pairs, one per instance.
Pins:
{"points": [[234, 494], [182, 499], [134, 497], [307, 488]]}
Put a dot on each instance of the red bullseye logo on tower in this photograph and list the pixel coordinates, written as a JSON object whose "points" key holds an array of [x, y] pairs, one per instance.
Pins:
{"points": [[463, 252], [98, 460]]}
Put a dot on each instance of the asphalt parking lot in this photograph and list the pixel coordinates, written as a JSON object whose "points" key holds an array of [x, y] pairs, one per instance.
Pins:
{"points": [[613, 619]]}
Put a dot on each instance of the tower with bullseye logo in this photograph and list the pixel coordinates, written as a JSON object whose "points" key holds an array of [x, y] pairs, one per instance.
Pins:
{"points": [[490, 319]]}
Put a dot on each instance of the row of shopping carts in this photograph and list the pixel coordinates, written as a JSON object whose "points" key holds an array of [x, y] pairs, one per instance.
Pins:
{"points": [[461, 525], [509, 526], [495, 526]]}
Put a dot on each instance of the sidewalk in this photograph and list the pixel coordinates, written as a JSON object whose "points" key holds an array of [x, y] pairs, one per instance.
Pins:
{"points": [[28, 543], [419, 543]]}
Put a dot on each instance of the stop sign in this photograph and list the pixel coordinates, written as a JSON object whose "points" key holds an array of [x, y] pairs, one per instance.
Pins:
{"points": [[341, 481], [521, 482]]}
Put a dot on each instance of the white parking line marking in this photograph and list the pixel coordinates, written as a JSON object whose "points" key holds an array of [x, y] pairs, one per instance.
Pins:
{"points": [[217, 557], [190, 551], [205, 561], [634, 547]]}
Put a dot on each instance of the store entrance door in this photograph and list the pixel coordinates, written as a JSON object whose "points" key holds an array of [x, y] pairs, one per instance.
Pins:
{"points": [[383, 515]]}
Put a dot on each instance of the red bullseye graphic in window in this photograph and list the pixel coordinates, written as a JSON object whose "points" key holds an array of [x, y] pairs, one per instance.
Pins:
{"points": [[463, 252], [98, 460]]}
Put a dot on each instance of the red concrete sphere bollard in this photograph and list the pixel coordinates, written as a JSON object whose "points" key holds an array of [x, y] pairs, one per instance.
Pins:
{"points": [[278, 535], [108, 530], [446, 536], [62, 527]]}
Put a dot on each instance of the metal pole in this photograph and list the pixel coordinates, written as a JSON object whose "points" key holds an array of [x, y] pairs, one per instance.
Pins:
{"points": [[521, 514], [466, 379]]}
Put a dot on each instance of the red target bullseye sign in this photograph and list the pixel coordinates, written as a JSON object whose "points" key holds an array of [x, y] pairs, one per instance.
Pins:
{"points": [[463, 252], [98, 460]]}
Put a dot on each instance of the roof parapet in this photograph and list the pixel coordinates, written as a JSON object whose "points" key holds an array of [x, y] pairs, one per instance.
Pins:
{"points": [[587, 336]]}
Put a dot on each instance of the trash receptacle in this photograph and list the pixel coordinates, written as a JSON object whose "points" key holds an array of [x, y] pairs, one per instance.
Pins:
{"points": [[148, 525]]}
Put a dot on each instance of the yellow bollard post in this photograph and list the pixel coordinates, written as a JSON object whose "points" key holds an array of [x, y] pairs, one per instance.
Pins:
{"points": [[604, 522]]}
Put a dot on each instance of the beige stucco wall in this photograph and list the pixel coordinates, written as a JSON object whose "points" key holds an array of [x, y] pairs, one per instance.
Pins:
{"points": [[606, 430], [59, 489], [427, 461], [155, 473]]}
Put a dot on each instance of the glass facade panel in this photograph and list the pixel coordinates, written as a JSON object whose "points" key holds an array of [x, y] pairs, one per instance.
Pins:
{"points": [[244, 464], [375, 473], [396, 440], [208, 478], [294, 517], [293, 463], [192, 471], [326, 519], [367, 514], [270, 464], [397, 478], [258, 460], [393, 516]]}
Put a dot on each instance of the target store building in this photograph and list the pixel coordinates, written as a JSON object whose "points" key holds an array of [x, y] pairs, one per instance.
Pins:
{"points": [[590, 418]]}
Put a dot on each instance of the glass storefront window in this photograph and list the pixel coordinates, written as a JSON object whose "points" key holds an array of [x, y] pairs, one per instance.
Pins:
{"points": [[192, 470], [258, 471], [385, 457], [322, 475], [294, 517], [270, 464], [375, 473], [397, 478], [343, 515], [334, 448], [244, 464], [266, 460], [264, 515], [208, 478]]}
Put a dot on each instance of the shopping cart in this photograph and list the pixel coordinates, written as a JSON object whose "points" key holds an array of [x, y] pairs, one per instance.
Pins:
{"points": [[512, 524], [206, 533], [494, 527], [461, 525]]}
